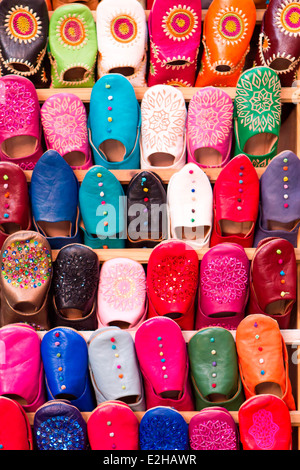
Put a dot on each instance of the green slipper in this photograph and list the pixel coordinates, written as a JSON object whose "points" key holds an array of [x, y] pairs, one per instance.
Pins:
{"points": [[257, 115], [72, 46], [214, 369]]}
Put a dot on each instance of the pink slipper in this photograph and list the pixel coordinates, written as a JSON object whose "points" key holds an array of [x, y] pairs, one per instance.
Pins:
{"points": [[174, 31], [20, 127], [64, 121], [209, 128]]}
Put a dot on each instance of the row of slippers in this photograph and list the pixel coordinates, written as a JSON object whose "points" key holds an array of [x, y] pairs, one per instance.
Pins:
{"points": [[264, 424], [154, 369], [102, 213], [119, 40], [120, 133], [73, 291]]}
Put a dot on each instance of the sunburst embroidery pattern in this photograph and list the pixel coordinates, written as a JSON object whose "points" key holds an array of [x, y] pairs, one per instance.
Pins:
{"points": [[180, 23], [22, 24], [230, 26], [287, 18], [72, 32]]}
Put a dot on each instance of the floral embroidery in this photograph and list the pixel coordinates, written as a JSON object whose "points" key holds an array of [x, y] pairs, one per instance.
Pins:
{"points": [[263, 429], [72, 31], [123, 28], [230, 26], [123, 286], [213, 435], [22, 24], [224, 279], [209, 118], [180, 23], [288, 18], [16, 97]]}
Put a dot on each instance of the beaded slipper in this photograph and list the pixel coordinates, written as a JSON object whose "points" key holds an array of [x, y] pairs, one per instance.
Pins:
{"points": [[214, 369], [114, 123], [24, 40], [213, 428], [26, 264], [114, 369], [257, 115], [72, 46], [263, 358], [209, 128], [163, 131], [279, 208], [102, 206], [14, 197], [227, 31], [172, 282], [163, 428], [54, 200], [113, 426], [224, 287], [20, 127], [174, 33], [235, 203], [121, 299], [65, 357], [273, 280], [190, 206], [265, 424], [22, 370], [122, 40], [279, 40], [74, 295], [163, 360], [15, 430], [64, 122], [59, 425]]}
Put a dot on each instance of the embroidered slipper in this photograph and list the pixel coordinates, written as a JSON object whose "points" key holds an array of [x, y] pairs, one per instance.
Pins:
{"points": [[59, 425], [114, 368], [265, 424], [214, 369], [273, 280], [122, 299], [21, 368], [20, 127], [15, 430], [235, 203], [163, 360], [114, 123], [279, 209], [113, 426], [64, 121], [122, 40], [224, 287], [163, 428], [14, 200], [279, 40], [174, 33], [227, 31], [210, 128], [26, 263], [24, 40], [54, 200], [65, 357], [163, 131], [102, 206], [263, 358], [72, 46], [257, 115], [190, 206], [213, 428], [172, 282], [147, 218]]}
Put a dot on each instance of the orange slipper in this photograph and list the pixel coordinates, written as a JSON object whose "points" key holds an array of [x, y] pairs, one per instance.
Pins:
{"points": [[263, 358], [227, 31]]}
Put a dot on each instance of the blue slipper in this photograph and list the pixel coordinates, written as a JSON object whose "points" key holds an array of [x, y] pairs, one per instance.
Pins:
{"points": [[54, 200], [102, 207], [114, 123]]}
